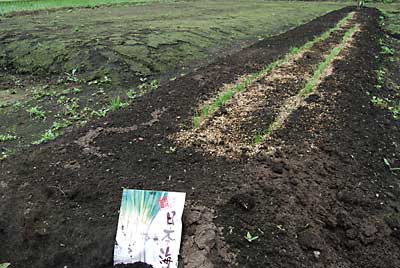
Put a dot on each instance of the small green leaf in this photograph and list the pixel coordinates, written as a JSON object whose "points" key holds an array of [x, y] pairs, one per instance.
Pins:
{"points": [[249, 237], [4, 265], [386, 162]]}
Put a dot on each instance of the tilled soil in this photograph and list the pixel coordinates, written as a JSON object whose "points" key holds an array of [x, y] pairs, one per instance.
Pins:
{"points": [[231, 130], [323, 198]]}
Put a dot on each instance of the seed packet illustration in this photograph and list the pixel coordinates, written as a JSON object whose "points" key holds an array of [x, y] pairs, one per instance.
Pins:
{"points": [[149, 228]]}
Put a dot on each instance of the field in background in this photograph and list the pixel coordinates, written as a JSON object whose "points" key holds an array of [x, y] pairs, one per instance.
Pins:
{"points": [[7, 6]]}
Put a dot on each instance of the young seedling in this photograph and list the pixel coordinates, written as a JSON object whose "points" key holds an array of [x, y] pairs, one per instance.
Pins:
{"points": [[53, 132], [72, 77], [171, 150], [17, 105], [379, 102], [62, 100], [100, 113], [116, 104], [395, 110], [387, 163], [281, 228], [76, 90], [131, 94], [154, 85], [104, 80], [146, 87], [250, 238], [385, 50], [6, 153]]}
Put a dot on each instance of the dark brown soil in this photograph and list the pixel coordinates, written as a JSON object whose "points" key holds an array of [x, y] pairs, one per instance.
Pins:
{"points": [[324, 199], [231, 130]]}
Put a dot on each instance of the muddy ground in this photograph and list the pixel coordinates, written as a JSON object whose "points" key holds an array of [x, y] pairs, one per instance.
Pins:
{"points": [[318, 193]]}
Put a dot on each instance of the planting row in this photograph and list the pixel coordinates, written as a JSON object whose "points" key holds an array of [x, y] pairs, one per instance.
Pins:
{"points": [[243, 115]]}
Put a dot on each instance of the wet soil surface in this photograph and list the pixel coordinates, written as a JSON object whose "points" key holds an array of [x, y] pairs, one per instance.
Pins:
{"points": [[327, 200]]}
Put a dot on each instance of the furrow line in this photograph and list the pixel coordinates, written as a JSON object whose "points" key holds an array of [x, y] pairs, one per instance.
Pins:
{"points": [[235, 124]]}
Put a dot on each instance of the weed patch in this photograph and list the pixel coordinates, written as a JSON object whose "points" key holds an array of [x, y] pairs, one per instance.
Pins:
{"points": [[35, 112]]}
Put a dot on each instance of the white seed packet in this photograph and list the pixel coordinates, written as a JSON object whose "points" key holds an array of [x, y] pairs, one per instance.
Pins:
{"points": [[149, 228]]}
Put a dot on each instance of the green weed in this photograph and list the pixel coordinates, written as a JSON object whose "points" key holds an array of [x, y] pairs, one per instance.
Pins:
{"points": [[35, 112], [7, 137], [72, 76], [53, 132], [387, 163], [5, 153], [258, 138], [294, 50], [385, 50], [49, 135], [104, 80], [395, 110], [17, 105], [73, 90], [71, 108], [40, 93], [131, 94], [146, 87], [100, 113], [250, 238], [116, 104], [62, 99], [379, 102], [154, 84], [380, 78]]}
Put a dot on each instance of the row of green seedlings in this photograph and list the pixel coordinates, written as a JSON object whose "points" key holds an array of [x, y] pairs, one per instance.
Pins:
{"points": [[209, 109], [381, 76], [88, 114], [311, 83]]}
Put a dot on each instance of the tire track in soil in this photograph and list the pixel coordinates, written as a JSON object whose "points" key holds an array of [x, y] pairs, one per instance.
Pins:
{"points": [[230, 131]]}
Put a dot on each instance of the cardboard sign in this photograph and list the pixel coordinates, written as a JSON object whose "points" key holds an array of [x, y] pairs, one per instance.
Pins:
{"points": [[149, 228]]}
